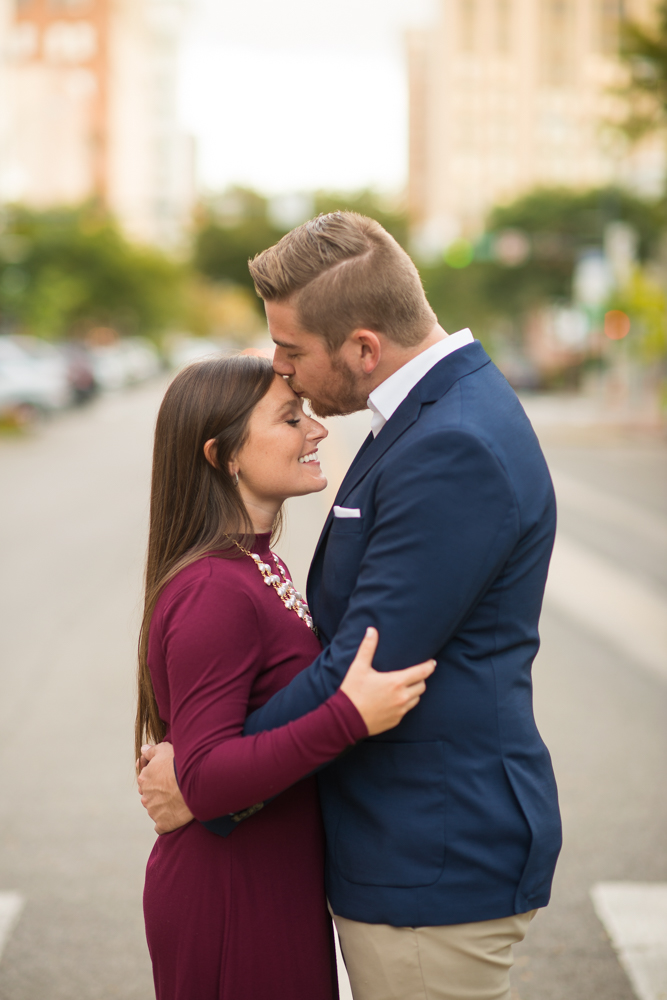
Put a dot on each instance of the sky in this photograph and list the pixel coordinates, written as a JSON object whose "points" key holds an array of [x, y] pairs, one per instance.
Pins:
{"points": [[293, 95]]}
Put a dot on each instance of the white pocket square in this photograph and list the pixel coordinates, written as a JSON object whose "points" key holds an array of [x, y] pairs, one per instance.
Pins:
{"points": [[347, 512]]}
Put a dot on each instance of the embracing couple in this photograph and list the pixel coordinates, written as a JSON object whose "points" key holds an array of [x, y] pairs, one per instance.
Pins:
{"points": [[313, 764]]}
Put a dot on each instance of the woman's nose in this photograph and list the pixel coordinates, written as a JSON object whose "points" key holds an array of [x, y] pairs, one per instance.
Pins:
{"points": [[317, 431]]}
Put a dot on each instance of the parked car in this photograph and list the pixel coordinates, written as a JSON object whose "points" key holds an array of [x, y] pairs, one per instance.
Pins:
{"points": [[33, 376], [142, 359], [80, 371], [124, 362], [182, 350]]}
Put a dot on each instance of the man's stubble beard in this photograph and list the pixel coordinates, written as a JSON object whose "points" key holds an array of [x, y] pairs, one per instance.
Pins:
{"points": [[345, 394]]}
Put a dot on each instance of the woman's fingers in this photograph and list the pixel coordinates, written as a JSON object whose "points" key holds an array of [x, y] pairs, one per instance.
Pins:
{"points": [[413, 675], [382, 698], [413, 682], [367, 647]]}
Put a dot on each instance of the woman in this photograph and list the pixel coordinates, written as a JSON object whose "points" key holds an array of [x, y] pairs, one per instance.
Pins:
{"points": [[240, 917]]}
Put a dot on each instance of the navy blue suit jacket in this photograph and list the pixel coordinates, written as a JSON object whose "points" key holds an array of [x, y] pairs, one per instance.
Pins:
{"points": [[453, 816]]}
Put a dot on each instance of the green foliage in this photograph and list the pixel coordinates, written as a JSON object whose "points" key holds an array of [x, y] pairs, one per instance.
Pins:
{"points": [[459, 296], [557, 225], [560, 224], [645, 302], [234, 227], [577, 218], [393, 218], [66, 270], [229, 232], [644, 51]]}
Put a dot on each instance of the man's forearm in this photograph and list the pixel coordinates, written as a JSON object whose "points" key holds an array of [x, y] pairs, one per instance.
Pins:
{"points": [[306, 692]]}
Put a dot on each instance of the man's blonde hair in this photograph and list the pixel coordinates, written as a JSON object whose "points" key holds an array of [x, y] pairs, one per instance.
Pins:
{"points": [[344, 272]]}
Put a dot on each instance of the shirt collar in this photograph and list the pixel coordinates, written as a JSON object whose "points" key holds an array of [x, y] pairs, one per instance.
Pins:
{"points": [[386, 398]]}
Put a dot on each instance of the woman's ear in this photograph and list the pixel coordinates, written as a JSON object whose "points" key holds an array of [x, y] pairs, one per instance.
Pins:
{"points": [[211, 452]]}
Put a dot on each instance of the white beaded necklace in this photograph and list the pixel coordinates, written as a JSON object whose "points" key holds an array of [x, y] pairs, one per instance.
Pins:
{"points": [[284, 587]]}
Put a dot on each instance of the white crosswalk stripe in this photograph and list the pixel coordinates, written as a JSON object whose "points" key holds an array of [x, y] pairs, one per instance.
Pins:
{"points": [[619, 606], [635, 917], [11, 904]]}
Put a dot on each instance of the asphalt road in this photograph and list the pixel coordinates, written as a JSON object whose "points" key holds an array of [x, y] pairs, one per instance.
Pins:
{"points": [[73, 837]]}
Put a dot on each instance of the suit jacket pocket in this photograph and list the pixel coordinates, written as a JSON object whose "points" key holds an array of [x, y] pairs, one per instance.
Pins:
{"points": [[391, 829], [342, 557], [347, 526]]}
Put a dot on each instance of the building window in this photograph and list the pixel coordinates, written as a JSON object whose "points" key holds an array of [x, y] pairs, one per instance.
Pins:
{"points": [[74, 5], [467, 20], [70, 42], [504, 25], [608, 22], [23, 41], [557, 37]]}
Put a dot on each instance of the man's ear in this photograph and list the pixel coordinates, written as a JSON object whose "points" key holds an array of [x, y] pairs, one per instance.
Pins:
{"points": [[211, 453], [367, 348]]}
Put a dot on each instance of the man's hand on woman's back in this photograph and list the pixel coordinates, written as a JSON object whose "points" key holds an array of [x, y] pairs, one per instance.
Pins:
{"points": [[160, 794]]}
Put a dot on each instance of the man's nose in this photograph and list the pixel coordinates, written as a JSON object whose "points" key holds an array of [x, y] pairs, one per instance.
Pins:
{"points": [[280, 363]]}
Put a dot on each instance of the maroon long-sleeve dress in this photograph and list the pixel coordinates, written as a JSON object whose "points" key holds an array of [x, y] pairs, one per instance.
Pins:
{"points": [[242, 917]]}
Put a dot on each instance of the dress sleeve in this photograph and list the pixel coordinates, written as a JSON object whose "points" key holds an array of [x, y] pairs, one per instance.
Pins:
{"points": [[212, 644]]}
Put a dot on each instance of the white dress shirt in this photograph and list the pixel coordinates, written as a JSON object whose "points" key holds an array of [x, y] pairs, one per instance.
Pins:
{"points": [[388, 396]]}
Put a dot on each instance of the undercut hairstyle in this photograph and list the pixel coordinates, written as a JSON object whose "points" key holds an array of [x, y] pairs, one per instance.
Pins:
{"points": [[344, 272]]}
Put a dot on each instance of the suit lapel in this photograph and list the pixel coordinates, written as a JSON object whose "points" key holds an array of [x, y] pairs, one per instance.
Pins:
{"points": [[357, 458], [371, 450], [355, 461], [403, 418], [435, 384], [432, 386]]}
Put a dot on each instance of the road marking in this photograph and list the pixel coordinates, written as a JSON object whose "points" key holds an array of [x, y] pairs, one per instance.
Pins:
{"points": [[634, 915], [11, 904], [617, 605], [614, 510]]}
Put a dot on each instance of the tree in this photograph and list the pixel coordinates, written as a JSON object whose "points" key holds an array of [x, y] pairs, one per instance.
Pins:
{"points": [[645, 302], [391, 216], [229, 231], [644, 52], [235, 226], [66, 270], [556, 226]]}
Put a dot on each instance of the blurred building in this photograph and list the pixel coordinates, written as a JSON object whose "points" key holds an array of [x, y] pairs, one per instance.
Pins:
{"points": [[509, 94], [90, 110], [5, 19]]}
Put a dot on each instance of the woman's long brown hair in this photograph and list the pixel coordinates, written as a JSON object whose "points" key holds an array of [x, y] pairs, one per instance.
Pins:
{"points": [[194, 506]]}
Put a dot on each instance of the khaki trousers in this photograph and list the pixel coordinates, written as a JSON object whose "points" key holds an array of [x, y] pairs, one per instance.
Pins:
{"points": [[458, 962]]}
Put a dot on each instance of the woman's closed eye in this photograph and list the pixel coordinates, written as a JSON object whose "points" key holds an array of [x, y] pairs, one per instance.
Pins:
{"points": [[294, 421]]}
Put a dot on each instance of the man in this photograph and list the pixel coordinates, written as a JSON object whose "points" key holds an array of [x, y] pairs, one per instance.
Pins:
{"points": [[442, 834]]}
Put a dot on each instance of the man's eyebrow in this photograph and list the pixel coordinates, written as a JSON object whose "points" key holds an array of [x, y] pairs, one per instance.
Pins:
{"points": [[283, 343]]}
